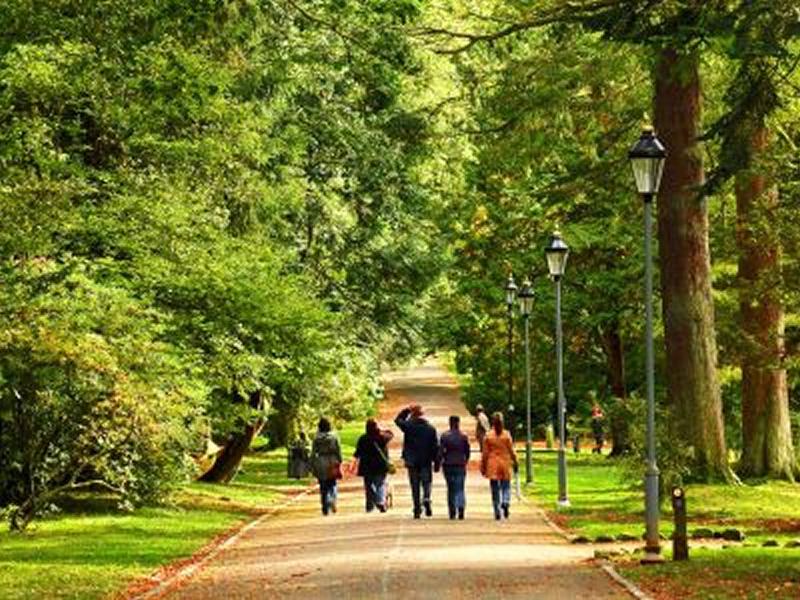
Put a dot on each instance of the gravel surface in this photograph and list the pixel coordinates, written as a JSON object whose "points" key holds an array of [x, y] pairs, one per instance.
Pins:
{"points": [[301, 554]]}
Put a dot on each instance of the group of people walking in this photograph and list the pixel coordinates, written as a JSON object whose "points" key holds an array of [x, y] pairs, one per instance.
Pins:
{"points": [[424, 453]]}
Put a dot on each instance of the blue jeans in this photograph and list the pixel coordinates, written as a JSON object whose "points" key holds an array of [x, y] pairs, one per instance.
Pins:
{"points": [[327, 492], [375, 490], [501, 494], [455, 477], [420, 477]]}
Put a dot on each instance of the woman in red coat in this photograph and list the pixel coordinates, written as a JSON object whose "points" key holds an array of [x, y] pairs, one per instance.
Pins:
{"points": [[498, 462]]}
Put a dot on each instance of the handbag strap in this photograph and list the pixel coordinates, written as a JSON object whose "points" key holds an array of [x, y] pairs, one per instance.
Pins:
{"points": [[383, 455]]}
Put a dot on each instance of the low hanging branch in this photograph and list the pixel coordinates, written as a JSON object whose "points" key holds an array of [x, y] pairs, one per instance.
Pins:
{"points": [[564, 12]]}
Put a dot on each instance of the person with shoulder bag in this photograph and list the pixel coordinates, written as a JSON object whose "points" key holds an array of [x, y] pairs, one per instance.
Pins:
{"points": [[372, 452], [326, 464]]}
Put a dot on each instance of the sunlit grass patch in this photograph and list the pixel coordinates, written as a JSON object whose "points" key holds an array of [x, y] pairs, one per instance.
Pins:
{"points": [[606, 503]]}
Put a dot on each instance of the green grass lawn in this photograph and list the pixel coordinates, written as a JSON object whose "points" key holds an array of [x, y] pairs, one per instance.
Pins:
{"points": [[92, 549], [602, 503], [94, 554]]}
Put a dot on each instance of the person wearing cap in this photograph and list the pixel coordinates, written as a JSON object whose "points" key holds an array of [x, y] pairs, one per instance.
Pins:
{"points": [[420, 454], [482, 426]]}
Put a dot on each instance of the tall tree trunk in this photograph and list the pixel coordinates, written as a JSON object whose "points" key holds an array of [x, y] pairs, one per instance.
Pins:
{"points": [[615, 360], [691, 350], [226, 465], [766, 429]]}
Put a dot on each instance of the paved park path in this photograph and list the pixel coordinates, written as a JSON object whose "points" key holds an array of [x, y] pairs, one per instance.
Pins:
{"points": [[301, 554]]}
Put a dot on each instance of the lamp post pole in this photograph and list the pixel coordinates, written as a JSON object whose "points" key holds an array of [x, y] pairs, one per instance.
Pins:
{"points": [[563, 499], [557, 252], [653, 543], [511, 294], [526, 305], [647, 159], [528, 441], [510, 353]]}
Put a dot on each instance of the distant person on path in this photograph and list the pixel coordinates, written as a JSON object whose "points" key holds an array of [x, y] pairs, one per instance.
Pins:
{"points": [[598, 421], [326, 464], [372, 453], [497, 462], [454, 456], [298, 466], [420, 453], [482, 426]]}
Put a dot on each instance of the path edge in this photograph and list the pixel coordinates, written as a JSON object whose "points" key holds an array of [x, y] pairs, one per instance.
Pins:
{"points": [[604, 566], [193, 568]]}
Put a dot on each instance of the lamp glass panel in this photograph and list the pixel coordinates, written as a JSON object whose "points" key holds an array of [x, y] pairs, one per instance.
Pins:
{"points": [[647, 173], [528, 305], [556, 263], [525, 304]]}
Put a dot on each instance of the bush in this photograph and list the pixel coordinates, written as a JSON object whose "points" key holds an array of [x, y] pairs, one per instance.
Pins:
{"points": [[88, 397]]}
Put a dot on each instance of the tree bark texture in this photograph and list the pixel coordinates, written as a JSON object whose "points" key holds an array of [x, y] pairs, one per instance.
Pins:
{"points": [[615, 361], [767, 448], [226, 465], [691, 350]]}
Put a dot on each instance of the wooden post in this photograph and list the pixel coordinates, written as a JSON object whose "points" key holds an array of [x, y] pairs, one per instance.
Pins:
{"points": [[680, 542]]}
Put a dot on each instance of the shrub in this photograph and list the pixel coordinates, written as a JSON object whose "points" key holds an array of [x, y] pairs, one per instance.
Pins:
{"points": [[88, 397]]}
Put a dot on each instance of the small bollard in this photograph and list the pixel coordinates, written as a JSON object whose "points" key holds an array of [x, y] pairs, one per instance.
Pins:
{"points": [[680, 542]]}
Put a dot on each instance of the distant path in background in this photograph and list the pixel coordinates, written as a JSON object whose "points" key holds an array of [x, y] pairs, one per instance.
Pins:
{"points": [[301, 554]]}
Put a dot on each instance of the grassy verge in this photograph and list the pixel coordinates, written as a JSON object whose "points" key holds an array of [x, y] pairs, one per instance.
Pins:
{"points": [[94, 554], [91, 549], [604, 505]]}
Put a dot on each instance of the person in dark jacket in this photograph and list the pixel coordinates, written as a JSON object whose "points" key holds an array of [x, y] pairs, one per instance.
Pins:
{"points": [[372, 453], [326, 461], [420, 453], [454, 456]]}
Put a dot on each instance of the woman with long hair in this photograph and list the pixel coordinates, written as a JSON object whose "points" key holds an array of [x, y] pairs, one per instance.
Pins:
{"points": [[326, 464], [372, 453], [497, 464]]}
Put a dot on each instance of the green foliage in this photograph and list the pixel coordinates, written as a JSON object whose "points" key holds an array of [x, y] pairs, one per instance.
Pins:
{"points": [[552, 120], [90, 397], [200, 202]]}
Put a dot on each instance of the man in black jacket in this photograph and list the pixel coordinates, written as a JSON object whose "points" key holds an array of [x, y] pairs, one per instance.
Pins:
{"points": [[420, 453]]}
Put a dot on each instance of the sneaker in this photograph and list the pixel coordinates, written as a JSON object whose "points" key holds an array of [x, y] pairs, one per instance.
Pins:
{"points": [[333, 507], [381, 507], [452, 513], [416, 515], [461, 514], [497, 516], [505, 510], [428, 511]]}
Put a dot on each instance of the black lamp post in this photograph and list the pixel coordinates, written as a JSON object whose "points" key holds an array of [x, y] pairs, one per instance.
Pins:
{"points": [[511, 295], [557, 252], [525, 307], [647, 160]]}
